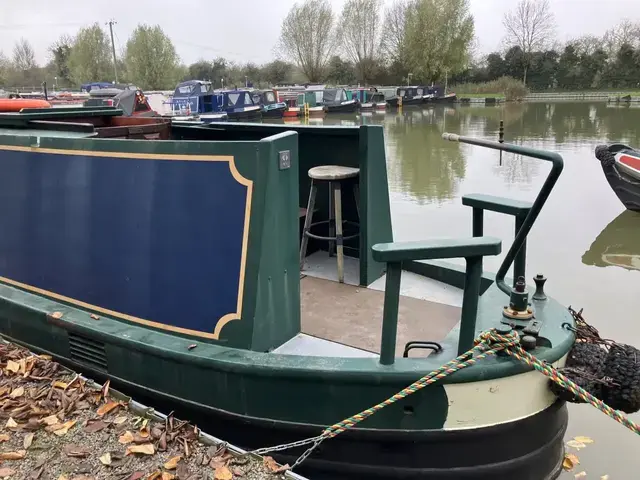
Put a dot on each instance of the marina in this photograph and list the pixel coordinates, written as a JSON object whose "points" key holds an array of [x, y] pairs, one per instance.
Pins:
{"points": [[324, 301]]}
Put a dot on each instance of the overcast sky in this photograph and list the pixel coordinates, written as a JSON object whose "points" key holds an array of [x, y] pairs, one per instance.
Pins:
{"points": [[246, 30]]}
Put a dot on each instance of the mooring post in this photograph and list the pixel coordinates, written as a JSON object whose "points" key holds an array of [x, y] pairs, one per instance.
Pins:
{"points": [[501, 137]]}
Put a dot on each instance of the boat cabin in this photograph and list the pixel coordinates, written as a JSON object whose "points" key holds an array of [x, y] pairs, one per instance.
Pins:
{"points": [[411, 92], [197, 97]]}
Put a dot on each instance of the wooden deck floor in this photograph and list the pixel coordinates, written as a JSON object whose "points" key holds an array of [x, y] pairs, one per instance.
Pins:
{"points": [[353, 316]]}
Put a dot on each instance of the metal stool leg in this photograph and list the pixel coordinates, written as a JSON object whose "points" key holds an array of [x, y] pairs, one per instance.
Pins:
{"points": [[332, 222], [338, 202], [307, 223]]}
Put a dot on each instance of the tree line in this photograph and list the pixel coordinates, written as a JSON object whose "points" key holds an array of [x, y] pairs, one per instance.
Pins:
{"points": [[416, 41]]}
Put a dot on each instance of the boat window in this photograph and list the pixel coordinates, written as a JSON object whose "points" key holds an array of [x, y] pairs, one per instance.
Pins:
{"points": [[420, 92], [270, 97], [185, 89], [247, 99], [233, 98], [401, 92], [205, 88], [331, 96]]}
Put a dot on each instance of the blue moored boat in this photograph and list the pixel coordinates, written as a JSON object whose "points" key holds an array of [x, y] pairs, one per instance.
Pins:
{"points": [[269, 103], [197, 97]]}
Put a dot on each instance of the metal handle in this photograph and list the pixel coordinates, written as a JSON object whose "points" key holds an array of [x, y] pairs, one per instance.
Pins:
{"points": [[556, 169]]}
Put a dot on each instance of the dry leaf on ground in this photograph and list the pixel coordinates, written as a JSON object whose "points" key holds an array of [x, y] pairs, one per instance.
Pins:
{"points": [[64, 428], [13, 366], [580, 475], [126, 437], [6, 472], [27, 440], [223, 473], [168, 476], [11, 423], [172, 463], [18, 392], [50, 420], [106, 459], [4, 437], [19, 455], [107, 407], [146, 449]]}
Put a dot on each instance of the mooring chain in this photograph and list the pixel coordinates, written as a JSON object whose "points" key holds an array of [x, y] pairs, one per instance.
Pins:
{"points": [[488, 343]]}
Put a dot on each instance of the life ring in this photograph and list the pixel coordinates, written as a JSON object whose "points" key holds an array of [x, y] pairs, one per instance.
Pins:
{"points": [[17, 104]]}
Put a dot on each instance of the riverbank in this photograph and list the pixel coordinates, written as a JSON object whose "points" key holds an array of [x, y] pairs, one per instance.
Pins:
{"points": [[57, 424], [610, 97]]}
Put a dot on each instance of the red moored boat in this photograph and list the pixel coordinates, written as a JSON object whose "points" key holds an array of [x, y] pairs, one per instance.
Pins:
{"points": [[621, 166]]}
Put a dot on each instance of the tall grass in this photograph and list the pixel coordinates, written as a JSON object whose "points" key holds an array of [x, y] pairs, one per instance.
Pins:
{"points": [[511, 88]]}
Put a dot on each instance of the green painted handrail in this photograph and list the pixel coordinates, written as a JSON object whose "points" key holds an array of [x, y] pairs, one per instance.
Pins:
{"points": [[556, 169], [393, 254]]}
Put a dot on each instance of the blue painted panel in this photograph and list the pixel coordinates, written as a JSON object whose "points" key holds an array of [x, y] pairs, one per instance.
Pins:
{"points": [[159, 239]]}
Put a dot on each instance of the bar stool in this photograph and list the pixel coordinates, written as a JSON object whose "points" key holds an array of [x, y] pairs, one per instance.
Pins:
{"points": [[334, 174]]}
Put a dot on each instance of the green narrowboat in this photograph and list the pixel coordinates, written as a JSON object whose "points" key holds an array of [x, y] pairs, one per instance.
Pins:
{"points": [[166, 257]]}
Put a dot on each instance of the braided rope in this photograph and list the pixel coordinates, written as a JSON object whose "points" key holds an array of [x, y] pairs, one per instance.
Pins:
{"points": [[488, 343], [564, 382]]}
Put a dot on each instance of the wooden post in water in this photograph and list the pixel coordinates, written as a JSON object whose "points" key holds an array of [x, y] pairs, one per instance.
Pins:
{"points": [[501, 138]]}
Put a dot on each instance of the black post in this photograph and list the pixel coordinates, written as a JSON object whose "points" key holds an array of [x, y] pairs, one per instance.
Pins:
{"points": [[501, 138], [44, 88]]}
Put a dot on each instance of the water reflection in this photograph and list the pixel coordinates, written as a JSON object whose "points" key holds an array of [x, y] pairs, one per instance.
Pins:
{"points": [[618, 244], [423, 165]]}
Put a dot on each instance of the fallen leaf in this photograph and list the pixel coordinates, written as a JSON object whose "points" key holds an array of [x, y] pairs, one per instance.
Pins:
{"points": [[19, 455], [95, 426], [192, 346], [50, 420], [76, 451], [107, 407], [570, 461], [106, 459], [575, 444], [56, 315], [238, 472], [11, 423], [155, 475], [65, 428], [13, 366], [18, 392], [59, 384], [120, 420], [168, 476], [37, 473], [584, 440], [223, 473], [95, 317], [146, 449], [182, 471], [63, 477], [6, 472], [82, 477], [4, 437], [270, 464], [136, 476], [172, 463], [580, 475], [126, 437], [27, 440], [105, 388]]}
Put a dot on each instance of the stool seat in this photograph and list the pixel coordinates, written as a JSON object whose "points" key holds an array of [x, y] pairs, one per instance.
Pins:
{"points": [[333, 172]]}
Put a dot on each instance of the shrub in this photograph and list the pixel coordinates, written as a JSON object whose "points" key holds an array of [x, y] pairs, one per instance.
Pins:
{"points": [[510, 87]]}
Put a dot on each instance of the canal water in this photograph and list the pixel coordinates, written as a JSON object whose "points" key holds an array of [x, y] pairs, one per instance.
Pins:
{"points": [[584, 241]]}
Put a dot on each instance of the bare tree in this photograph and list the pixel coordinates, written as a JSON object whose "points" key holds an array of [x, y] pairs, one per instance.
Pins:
{"points": [[625, 32], [359, 35], [530, 26], [24, 57], [393, 39], [308, 37]]}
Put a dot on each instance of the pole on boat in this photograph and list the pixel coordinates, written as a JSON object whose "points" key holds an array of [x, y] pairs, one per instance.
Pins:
{"points": [[111, 23], [44, 89]]}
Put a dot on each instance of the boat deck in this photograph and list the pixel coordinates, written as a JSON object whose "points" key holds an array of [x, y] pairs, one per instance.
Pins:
{"points": [[345, 320]]}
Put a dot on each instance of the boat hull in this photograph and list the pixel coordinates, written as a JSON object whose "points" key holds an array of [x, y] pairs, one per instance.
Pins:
{"points": [[240, 115], [621, 167], [277, 112], [406, 102], [445, 99], [347, 107], [528, 448]]}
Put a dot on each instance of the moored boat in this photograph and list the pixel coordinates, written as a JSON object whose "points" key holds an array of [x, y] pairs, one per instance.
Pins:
{"points": [[621, 166], [268, 101], [408, 97], [335, 100], [17, 104], [197, 98], [176, 274]]}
